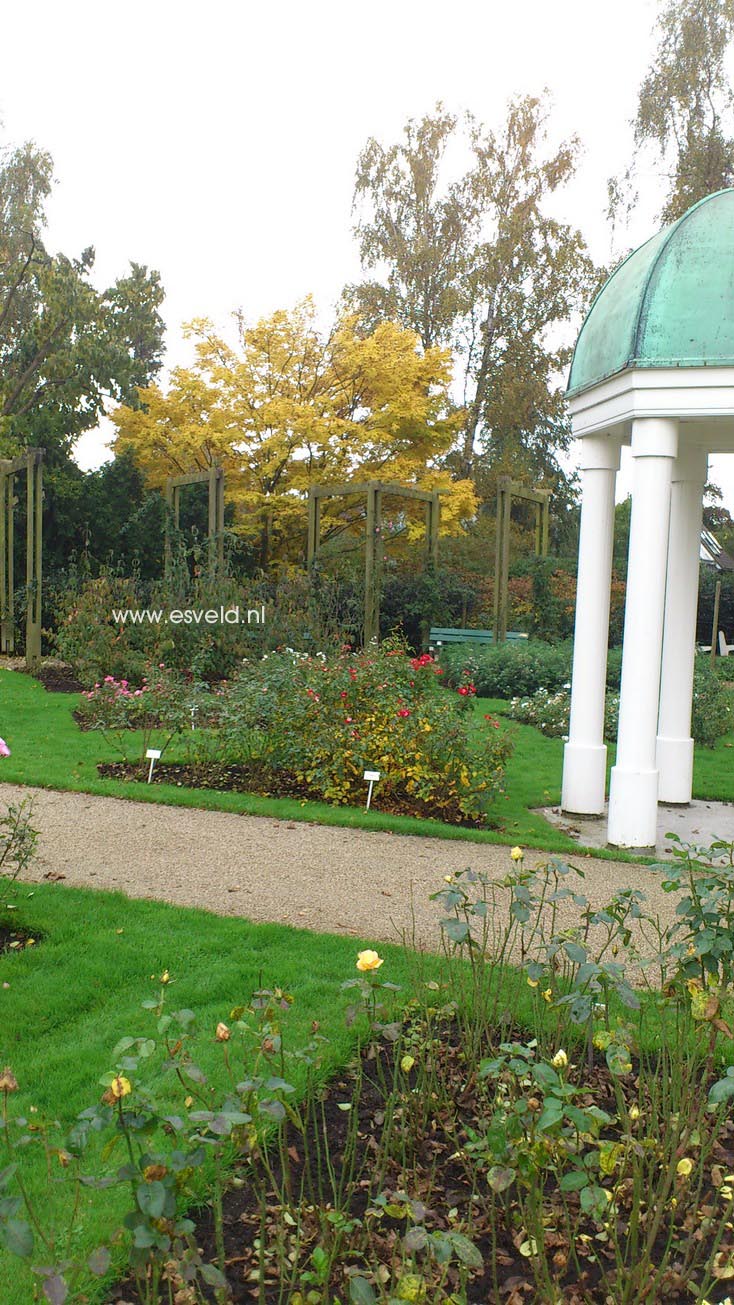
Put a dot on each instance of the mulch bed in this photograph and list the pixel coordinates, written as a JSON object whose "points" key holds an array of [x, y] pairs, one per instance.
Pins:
{"points": [[436, 1178], [254, 779], [58, 679]]}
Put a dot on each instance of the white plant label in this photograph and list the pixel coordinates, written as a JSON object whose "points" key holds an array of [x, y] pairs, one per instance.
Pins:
{"points": [[371, 776]]}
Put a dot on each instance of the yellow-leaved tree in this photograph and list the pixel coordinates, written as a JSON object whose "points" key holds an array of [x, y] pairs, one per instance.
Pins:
{"points": [[291, 406]]}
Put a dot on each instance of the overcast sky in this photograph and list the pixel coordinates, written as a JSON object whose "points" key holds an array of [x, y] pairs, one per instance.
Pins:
{"points": [[217, 142]]}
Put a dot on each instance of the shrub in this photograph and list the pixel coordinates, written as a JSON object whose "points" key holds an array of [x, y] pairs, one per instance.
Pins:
{"points": [[712, 714], [164, 704], [550, 712], [92, 643], [330, 719], [508, 670]]}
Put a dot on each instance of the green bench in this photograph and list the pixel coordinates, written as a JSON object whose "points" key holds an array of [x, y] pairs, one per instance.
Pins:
{"points": [[439, 635]]}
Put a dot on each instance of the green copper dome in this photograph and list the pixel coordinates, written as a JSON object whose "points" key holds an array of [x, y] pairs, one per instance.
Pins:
{"points": [[670, 304]]}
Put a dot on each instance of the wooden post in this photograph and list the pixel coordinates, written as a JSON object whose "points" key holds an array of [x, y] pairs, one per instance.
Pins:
{"points": [[220, 518], [502, 559], [30, 485], [212, 519], [370, 622], [715, 627], [379, 558], [167, 534], [434, 521], [497, 563], [3, 560], [504, 599], [11, 566], [38, 558], [314, 504]]}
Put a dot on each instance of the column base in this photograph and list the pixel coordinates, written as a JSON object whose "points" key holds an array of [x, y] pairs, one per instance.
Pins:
{"points": [[584, 779], [633, 808], [674, 759]]}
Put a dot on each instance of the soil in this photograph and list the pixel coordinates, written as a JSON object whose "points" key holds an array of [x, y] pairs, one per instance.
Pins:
{"points": [[58, 679], [15, 940], [427, 1162], [281, 783]]}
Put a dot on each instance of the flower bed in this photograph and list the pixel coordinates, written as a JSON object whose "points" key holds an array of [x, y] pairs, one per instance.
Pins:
{"points": [[321, 723], [544, 1132]]}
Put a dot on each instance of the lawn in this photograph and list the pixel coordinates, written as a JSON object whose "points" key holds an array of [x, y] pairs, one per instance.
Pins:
{"points": [[98, 956], [49, 751]]}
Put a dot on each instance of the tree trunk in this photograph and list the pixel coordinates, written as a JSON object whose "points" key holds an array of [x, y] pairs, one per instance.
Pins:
{"points": [[475, 412]]}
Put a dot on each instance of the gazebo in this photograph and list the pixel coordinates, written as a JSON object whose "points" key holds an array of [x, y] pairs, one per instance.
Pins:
{"points": [[653, 368]]}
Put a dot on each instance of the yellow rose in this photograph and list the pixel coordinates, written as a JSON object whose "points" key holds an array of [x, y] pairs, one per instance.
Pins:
{"points": [[517, 854], [120, 1086], [560, 1060], [368, 961], [684, 1168]]}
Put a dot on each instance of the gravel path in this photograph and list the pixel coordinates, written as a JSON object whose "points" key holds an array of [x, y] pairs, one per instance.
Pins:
{"points": [[371, 885]]}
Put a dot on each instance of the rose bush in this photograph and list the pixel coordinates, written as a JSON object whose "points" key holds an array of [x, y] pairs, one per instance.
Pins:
{"points": [[330, 719], [164, 704]]}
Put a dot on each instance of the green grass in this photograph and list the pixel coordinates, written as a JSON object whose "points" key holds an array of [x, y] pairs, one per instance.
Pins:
{"points": [[50, 751], [72, 996]]}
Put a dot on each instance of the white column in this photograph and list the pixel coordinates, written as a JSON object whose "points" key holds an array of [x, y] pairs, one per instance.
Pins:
{"points": [[585, 756], [633, 789], [674, 743]]}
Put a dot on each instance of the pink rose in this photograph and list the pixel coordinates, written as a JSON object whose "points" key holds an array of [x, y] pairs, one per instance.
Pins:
{"points": [[4, 749]]}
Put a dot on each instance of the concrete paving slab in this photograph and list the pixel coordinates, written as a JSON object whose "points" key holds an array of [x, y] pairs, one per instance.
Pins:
{"points": [[701, 823]]}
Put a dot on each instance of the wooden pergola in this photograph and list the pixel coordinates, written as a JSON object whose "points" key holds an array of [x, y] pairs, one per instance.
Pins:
{"points": [[30, 462], [374, 491], [214, 478], [507, 489]]}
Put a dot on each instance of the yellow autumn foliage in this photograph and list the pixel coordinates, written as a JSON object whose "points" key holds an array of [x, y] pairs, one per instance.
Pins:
{"points": [[290, 406]]}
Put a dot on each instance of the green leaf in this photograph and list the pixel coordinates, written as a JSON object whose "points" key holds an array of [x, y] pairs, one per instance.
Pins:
{"points": [[500, 1177], [272, 1109], [17, 1237], [99, 1261], [466, 1251], [6, 1174], [152, 1199], [212, 1276], [574, 1181], [550, 1115], [123, 1045], [457, 930], [721, 1091], [361, 1293], [55, 1289], [575, 953]]}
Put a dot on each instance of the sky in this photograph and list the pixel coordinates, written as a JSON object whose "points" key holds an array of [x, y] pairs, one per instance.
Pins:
{"points": [[217, 142]]}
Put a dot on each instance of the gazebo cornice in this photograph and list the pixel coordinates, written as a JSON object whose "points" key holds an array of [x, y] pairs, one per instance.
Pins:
{"points": [[699, 397]]}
